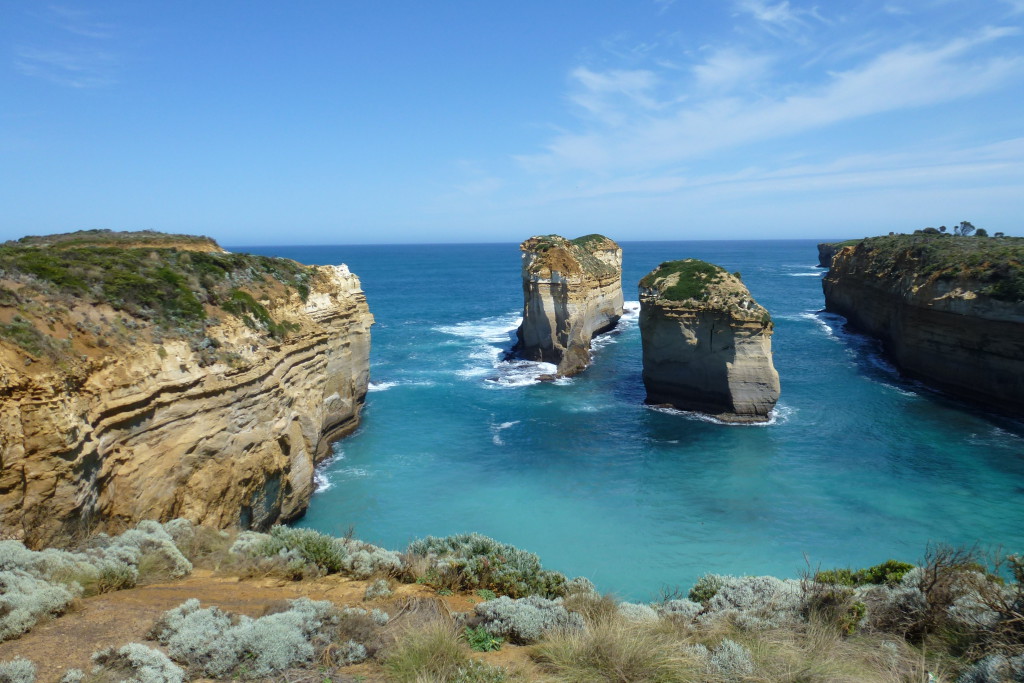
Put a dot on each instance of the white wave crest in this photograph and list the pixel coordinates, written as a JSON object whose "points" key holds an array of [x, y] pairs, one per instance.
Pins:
{"points": [[496, 431], [780, 414]]}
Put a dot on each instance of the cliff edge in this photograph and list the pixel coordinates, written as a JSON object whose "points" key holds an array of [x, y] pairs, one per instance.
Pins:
{"points": [[572, 290], [706, 343], [152, 376], [948, 309]]}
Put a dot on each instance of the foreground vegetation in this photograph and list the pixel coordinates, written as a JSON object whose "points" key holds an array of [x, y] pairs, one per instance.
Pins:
{"points": [[948, 619]]}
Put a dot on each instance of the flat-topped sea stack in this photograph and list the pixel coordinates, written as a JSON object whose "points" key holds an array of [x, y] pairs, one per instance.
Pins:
{"points": [[826, 250], [153, 376], [707, 345], [572, 290], [948, 309]]}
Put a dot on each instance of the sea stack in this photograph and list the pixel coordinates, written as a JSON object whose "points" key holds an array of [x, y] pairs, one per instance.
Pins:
{"points": [[707, 345], [572, 290], [153, 376], [949, 310]]}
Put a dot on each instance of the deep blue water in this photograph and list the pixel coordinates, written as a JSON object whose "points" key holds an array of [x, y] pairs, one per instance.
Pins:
{"points": [[858, 465]]}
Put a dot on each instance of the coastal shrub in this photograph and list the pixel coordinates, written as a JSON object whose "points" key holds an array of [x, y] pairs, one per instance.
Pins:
{"points": [[25, 599], [632, 611], [524, 620], [150, 545], [684, 610], [364, 560], [72, 676], [707, 586], [755, 602], [323, 551], [890, 573], [137, 663], [380, 588], [18, 670], [481, 640], [211, 642], [731, 660], [996, 668], [693, 278], [471, 561], [294, 551], [475, 671]]}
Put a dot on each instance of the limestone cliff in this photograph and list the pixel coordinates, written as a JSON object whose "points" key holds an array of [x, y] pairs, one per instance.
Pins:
{"points": [[152, 378], [572, 290], [707, 345], [949, 310]]}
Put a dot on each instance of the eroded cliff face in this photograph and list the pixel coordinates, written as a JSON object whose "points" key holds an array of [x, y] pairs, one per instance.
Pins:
{"points": [[111, 418], [706, 343], [956, 326], [572, 291]]}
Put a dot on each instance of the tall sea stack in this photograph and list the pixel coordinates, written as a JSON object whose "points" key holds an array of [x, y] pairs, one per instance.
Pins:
{"points": [[152, 376], [707, 345], [572, 290]]}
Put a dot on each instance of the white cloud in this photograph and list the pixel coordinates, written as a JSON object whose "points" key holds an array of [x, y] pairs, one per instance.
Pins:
{"points": [[78, 68], [727, 68], [635, 131]]}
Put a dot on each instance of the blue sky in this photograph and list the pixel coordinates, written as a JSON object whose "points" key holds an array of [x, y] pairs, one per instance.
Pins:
{"points": [[372, 122]]}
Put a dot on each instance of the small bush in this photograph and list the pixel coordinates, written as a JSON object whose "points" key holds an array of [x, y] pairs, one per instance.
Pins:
{"points": [[471, 561], [731, 660], [481, 640], [889, 573], [707, 586], [136, 663], [524, 620], [17, 670], [380, 588], [25, 599], [684, 610], [313, 547], [636, 612]]}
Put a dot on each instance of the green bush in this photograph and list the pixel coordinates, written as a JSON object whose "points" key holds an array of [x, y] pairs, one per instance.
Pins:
{"points": [[692, 283], [312, 547], [481, 640], [888, 573], [472, 561]]}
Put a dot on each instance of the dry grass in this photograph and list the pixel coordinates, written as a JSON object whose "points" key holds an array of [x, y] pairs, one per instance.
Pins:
{"points": [[431, 652]]}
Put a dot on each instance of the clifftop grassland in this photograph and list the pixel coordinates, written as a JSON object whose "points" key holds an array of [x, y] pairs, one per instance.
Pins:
{"points": [[63, 296], [996, 263]]}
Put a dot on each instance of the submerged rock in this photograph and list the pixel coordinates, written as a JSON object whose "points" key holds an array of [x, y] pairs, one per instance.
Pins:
{"points": [[572, 290], [706, 343]]}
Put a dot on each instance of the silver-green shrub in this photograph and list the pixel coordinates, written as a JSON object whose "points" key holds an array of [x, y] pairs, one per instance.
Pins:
{"points": [[476, 561], [707, 586], [731, 660], [378, 589], [24, 599], [755, 602], [72, 676], [209, 641], [637, 612], [525, 620], [995, 669], [147, 538], [364, 560], [352, 652], [137, 663], [18, 670], [580, 585], [686, 610]]}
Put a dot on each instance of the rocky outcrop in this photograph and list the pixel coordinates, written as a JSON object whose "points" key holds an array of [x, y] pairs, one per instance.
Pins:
{"points": [[215, 408], [826, 250], [572, 290], [707, 345], [948, 310]]}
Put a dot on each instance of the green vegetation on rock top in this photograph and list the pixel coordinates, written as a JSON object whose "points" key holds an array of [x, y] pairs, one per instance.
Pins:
{"points": [[996, 262], [167, 287], [110, 238], [581, 249], [694, 277]]}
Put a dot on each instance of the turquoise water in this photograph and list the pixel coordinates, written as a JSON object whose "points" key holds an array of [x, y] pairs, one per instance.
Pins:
{"points": [[857, 466]]}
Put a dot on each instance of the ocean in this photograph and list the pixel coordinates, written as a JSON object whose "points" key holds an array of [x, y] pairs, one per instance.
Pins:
{"points": [[858, 465]]}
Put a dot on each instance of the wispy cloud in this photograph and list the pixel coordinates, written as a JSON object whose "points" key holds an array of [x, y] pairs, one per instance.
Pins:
{"points": [[636, 130], [76, 54]]}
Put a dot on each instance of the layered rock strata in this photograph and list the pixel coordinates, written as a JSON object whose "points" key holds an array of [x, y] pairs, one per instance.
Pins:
{"points": [[572, 291], [707, 345], [948, 310], [826, 250], [116, 407]]}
